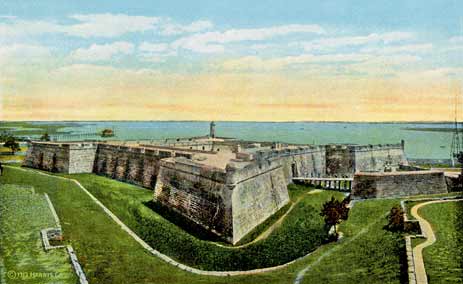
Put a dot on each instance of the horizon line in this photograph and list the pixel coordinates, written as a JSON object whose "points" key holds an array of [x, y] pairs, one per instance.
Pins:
{"points": [[263, 121]]}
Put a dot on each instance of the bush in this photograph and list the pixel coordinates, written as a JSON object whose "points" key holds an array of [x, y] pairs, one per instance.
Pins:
{"points": [[396, 221]]}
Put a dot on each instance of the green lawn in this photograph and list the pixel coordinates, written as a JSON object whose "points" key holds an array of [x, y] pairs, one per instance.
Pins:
{"points": [[109, 255], [373, 257], [301, 232], [23, 214], [443, 260]]}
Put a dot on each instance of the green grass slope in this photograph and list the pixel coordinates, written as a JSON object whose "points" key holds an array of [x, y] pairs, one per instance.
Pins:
{"points": [[110, 255], [22, 215], [443, 260]]}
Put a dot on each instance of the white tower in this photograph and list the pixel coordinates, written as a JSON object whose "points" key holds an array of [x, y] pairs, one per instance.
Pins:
{"points": [[212, 130]]}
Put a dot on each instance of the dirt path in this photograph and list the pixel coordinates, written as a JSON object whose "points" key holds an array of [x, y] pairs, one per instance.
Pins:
{"points": [[428, 233]]}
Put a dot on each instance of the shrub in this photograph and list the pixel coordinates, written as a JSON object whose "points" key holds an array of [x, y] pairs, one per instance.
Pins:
{"points": [[396, 220]]}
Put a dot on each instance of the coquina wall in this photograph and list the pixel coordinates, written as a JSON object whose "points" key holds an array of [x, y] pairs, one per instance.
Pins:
{"points": [[198, 192], [394, 184], [229, 203], [81, 157], [259, 190], [63, 158], [375, 157], [345, 160], [304, 161], [137, 165]]}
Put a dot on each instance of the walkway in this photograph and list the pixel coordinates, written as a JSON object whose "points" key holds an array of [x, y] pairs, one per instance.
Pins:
{"points": [[428, 233]]}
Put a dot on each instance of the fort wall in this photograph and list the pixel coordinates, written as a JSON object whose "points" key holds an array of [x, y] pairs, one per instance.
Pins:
{"points": [[63, 158], [340, 160], [81, 157], [197, 192], [304, 161], [229, 203], [394, 184], [345, 160], [376, 157], [137, 165], [259, 192]]}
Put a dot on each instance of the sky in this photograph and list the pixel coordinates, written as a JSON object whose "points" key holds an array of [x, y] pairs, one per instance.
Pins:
{"points": [[231, 60]]}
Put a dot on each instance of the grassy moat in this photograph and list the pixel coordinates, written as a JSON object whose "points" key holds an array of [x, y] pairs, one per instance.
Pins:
{"points": [[366, 254]]}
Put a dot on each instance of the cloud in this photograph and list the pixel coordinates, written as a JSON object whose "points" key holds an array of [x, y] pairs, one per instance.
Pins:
{"points": [[155, 52], [28, 28], [153, 47], [23, 52], [100, 25], [329, 64], [213, 42], [457, 39], [455, 44], [109, 25], [102, 52], [384, 65], [194, 27], [89, 25], [335, 42], [8, 17], [410, 48], [431, 75], [257, 63]]}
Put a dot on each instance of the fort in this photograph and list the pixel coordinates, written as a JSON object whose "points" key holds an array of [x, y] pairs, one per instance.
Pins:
{"points": [[229, 186]]}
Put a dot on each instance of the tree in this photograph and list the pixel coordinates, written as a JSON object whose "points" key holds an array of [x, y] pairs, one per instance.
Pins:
{"points": [[396, 220], [45, 137], [107, 133], [12, 144], [4, 136], [334, 211]]}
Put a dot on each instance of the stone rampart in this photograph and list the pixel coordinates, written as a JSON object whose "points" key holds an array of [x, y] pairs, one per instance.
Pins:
{"points": [[81, 157], [395, 184], [377, 157], [229, 203], [259, 191], [61, 157], [131, 164], [304, 161], [197, 192], [340, 160], [345, 160]]}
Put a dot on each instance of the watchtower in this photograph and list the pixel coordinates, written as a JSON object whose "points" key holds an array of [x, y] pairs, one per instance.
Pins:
{"points": [[212, 130]]}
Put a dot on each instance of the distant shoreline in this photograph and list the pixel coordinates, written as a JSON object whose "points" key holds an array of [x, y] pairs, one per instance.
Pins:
{"points": [[234, 121], [430, 129]]}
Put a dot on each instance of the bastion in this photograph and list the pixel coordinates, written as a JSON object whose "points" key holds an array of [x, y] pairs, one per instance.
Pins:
{"points": [[395, 184], [224, 185]]}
